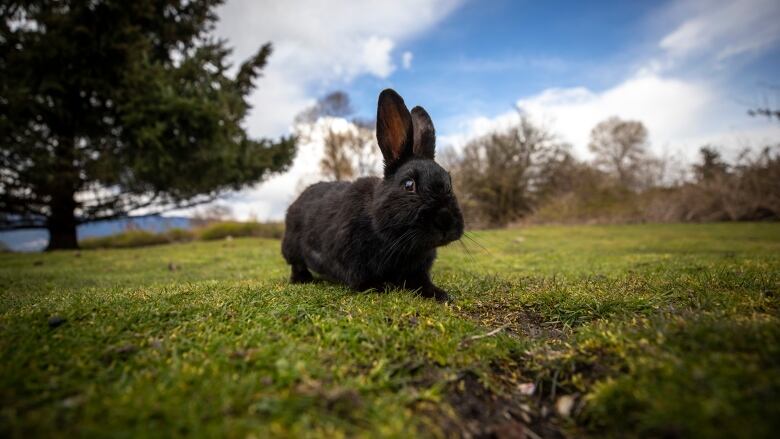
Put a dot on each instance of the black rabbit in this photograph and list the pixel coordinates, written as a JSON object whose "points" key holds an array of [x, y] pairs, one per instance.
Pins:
{"points": [[379, 231]]}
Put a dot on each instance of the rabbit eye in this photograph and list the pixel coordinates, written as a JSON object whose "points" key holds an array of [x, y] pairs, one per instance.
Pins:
{"points": [[409, 185]]}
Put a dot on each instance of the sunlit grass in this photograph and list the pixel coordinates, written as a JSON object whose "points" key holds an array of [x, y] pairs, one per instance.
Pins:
{"points": [[657, 330]]}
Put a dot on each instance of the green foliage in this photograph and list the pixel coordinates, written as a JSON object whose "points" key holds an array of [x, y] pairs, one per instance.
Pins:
{"points": [[177, 234], [130, 238], [137, 238], [654, 330], [128, 104], [688, 380], [213, 231], [236, 229]]}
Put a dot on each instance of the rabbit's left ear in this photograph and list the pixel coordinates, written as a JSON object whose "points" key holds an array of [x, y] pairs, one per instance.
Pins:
{"points": [[424, 133], [393, 128]]}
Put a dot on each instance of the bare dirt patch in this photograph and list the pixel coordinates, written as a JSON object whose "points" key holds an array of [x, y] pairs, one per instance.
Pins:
{"points": [[517, 321], [514, 403], [474, 410]]}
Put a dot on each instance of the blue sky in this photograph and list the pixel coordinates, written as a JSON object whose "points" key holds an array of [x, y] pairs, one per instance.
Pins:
{"points": [[688, 69], [486, 54]]}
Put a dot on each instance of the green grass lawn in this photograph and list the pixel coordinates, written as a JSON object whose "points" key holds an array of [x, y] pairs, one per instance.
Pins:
{"points": [[649, 330]]}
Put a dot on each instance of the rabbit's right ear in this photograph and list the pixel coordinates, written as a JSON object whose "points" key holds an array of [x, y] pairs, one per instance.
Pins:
{"points": [[394, 131]]}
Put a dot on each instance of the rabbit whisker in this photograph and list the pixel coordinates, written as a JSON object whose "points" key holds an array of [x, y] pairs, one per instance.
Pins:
{"points": [[468, 252], [395, 246], [468, 236]]}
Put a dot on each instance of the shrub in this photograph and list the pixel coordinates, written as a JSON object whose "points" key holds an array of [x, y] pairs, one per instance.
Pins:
{"points": [[137, 238], [213, 231], [499, 177], [180, 235], [745, 191], [238, 229], [130, 238], [600, 205]]}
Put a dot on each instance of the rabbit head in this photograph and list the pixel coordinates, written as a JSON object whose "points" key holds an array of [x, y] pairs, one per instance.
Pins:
{"points": [[416, 196]]}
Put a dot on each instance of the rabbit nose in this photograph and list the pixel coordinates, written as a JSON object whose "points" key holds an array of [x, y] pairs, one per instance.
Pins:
{"points": [[443, 219]]}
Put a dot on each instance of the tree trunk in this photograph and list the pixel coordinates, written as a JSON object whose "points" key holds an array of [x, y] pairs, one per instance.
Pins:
{"points": [[62, 223], [62, 190]]}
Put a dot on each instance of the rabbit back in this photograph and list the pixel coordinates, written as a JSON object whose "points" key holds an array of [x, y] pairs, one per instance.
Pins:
{"points": [[328, 229]]}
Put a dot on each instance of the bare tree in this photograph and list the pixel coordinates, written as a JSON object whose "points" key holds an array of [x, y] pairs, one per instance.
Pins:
{"points": [[334, 104], [771, 113], [336, 163], [365, 150], [620, 147], [711, 167], [769, 108], [501, 175], [348, 151], [211, 213]]}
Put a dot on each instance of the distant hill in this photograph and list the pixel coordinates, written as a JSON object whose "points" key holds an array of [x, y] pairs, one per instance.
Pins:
{"points": [[31, 240]]}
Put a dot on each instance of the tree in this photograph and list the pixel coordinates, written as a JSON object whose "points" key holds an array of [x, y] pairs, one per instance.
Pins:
{"points": [[111, 106], [212, 213], [711, 167], [767, 108], [500, 176], [770, 113], [349, 144], [620, 149]]}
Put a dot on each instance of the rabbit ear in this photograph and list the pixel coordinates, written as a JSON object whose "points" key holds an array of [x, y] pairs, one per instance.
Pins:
{"points": [[393, 128], [424, 133]]}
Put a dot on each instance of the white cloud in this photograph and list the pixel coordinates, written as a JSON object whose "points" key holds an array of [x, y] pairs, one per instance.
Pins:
{"points": [[671, 109], [316, 44], [406, 60], [680, 115], [724, 28], [376, 56]]}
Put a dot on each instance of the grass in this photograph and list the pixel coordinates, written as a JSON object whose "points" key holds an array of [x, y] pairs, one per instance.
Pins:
{"points": [[600, 331]]}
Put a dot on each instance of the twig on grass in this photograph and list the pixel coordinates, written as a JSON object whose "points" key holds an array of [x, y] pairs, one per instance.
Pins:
{"points": [[489, 334]]}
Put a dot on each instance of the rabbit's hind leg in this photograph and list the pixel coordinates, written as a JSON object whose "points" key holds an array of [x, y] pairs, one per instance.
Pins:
{"points": [[292, 254], [300, 274]]}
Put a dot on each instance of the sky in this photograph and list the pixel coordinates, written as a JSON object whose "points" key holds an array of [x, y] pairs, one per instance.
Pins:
{"points": [[689, 70]]}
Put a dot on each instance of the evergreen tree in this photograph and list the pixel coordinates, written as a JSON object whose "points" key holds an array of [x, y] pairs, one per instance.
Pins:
{"points": [[111, 106]]}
